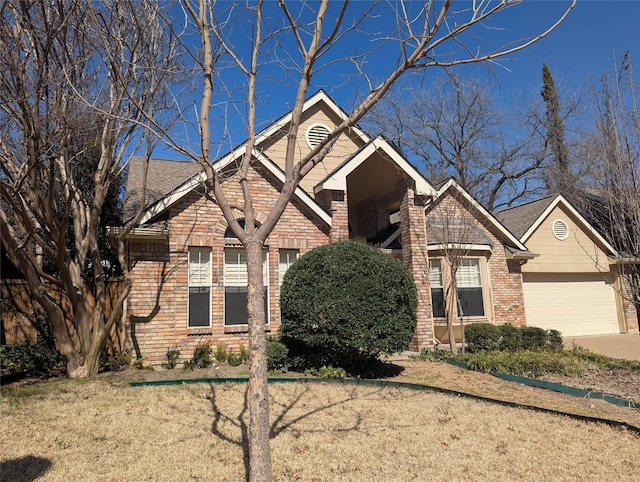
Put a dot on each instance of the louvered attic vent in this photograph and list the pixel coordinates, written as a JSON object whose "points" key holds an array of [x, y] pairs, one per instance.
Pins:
{"points": [[316, 134], [560, 229]]}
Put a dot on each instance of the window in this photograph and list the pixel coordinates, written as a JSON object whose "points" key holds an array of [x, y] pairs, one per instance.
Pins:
{"points": [[199, 308], [469, 284], [437, 287], [235, 286], [287, 258]]}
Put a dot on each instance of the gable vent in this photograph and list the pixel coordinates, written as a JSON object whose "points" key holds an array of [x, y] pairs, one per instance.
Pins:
{"points": [[316, 134], [560, 229]]}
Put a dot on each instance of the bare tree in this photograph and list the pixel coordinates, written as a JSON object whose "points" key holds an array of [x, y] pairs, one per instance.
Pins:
{"points": [[455, 129], [612, 154], [296, 41], [77, 79], [453, 232]]}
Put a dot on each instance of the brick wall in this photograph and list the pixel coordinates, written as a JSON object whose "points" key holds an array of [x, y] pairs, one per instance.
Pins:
{"points": [[414, 256], [157, 306], [504, 283]]}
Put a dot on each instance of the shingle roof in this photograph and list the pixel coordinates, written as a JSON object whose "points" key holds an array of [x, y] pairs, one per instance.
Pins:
{"points": [[520, 218], [163, 176], [460, 231]]}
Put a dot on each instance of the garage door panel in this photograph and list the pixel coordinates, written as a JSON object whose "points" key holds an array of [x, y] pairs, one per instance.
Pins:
{"points": [[574, 304]]}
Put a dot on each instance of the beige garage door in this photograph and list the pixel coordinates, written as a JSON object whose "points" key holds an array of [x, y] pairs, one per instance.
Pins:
{"points": [[574, 304]]}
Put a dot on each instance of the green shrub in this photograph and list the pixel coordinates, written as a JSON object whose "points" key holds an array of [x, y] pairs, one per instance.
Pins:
{"points": [[488, 337], [482, 337], [202, 355], [326, 372], [187, 365], [221, 353], [510, 337], [347, 303], [172, 355], [34, 359], [533, 338], [243, 353], [277, 354], [525, 363], [432, 355], [234, 359], [554, 340]]}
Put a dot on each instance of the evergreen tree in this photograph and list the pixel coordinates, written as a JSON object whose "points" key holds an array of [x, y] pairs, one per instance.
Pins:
{"points": [[558, 177]]}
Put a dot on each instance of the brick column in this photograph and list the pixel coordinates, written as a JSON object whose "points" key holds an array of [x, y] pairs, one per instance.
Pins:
{"points": [[336, 203], [415, 257]]}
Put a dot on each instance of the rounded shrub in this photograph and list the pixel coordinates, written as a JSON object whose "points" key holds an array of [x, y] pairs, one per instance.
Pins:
{"points": [[347, 303], [482, 337]]}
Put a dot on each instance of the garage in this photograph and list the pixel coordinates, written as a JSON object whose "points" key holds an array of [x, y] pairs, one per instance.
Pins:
{"points": [[575, 304]]}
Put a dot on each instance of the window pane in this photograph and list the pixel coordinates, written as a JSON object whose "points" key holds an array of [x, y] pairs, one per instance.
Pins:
{"points": [[468, 274], [199, 303], [199, 278], [235, 305], [199, 267], [435, 273], [437, 302], [471, 302], [235, 286], [287, 258]]}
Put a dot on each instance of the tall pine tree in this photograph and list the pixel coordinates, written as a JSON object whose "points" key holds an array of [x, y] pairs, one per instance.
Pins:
{"points": [[558, 176]]}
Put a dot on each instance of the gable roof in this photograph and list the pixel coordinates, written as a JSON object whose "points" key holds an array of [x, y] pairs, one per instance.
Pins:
{"points": [[543, 211], [519, 219], [163, 177], [175, 193], [337, 180], [505, 233]]}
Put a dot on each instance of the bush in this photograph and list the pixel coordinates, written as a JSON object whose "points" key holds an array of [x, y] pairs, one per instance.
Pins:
{"points": [[533, 338], [172, 355], [488, 337], [33, 359], [482, 337], [221, 354], [202, 355], [234, 359], [277, 353], [243, 353], [510, 337], [345, 304]]}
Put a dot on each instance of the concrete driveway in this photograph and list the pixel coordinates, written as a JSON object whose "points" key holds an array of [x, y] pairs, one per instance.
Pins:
{"points": [[616, 346]]}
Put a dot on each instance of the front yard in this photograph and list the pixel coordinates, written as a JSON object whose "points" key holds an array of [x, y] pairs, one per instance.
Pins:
{"points": [[104, 429]]}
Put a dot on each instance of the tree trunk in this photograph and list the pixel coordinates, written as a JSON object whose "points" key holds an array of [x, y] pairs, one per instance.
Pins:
{"points": [[451, 308], [259, 429]]}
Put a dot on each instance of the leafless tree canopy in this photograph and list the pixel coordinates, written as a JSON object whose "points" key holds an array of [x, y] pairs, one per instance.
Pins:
{"points": [[77, 80], [612, 155]]}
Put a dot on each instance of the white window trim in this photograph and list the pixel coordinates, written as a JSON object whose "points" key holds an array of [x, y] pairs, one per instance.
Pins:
{"points": [[289, 262], [265, 278], [487, 296], [209, 285]]}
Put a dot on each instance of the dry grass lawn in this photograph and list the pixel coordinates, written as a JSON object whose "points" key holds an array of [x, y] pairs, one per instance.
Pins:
{"points": [[102, 431]]}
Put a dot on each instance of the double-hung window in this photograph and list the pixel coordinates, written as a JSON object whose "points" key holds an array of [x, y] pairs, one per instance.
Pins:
{"points": [[469, 281], [437, 287], [236, 281], [469, 287], [199, 287], [287, 258]]}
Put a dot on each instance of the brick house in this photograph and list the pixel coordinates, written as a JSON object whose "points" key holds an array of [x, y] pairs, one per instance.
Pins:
{"points": [[188, 270]]}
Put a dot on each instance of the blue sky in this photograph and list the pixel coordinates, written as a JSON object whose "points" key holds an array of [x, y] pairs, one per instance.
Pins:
{"points": [[577, 51], [580, 48]]}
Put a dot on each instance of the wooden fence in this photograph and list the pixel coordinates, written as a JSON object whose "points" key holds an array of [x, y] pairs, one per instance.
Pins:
{"points": [[20, 311]]}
